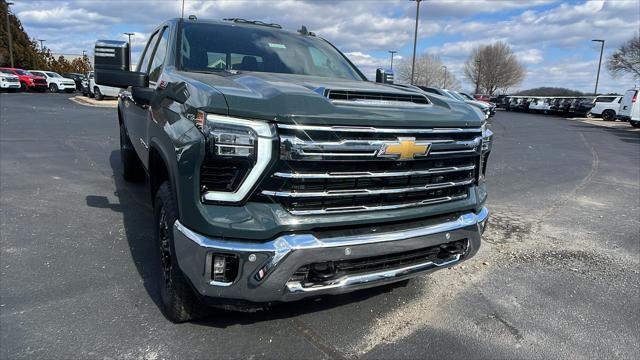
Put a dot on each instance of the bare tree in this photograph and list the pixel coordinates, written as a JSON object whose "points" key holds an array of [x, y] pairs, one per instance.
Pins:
{"points": [[626, 60], [494, 67], [430, 71]]}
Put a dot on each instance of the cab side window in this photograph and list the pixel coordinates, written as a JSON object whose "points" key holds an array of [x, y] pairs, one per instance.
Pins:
{"points": [[159, 55], [143, 65]]}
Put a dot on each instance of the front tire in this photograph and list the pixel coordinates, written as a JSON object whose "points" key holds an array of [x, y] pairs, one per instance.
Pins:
{"points": [[179, 303], [53, 88], [132, 169], [23, 87], [97, 93], [635, 124], [608, 115]]}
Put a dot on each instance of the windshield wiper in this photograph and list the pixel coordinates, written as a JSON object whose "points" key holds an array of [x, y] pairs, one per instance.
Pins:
{"points": [[213, 71]]}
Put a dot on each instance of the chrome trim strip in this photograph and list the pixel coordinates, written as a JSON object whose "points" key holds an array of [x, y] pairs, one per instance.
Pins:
{"points": [[368, 174], [339, 210], [381, 103], [352, 280], [338, 128], [361, 192]]}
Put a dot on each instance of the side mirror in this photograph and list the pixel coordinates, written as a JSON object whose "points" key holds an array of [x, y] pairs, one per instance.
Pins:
{"points": [[142, 95], [111, 62], [384, 76]]}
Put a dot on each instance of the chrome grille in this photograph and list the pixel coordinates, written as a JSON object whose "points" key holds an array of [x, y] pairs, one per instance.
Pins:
{"points": [[340, 169]]}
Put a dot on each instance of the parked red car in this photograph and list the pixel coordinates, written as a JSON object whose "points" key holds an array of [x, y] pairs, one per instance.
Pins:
{"points": [[28, 81]]}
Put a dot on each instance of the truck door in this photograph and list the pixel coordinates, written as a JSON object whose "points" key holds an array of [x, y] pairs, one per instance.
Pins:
{"points": [[136, 115]]}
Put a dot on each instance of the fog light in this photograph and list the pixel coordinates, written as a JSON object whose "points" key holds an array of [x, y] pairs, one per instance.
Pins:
{"points": [[219, 264], [224, 269]]}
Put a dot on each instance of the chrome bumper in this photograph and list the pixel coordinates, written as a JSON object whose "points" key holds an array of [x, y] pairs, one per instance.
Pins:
{"points": [[279, 258]]}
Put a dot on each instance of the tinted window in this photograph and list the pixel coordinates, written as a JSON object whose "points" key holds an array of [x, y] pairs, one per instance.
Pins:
{"points": [[605, 99], [144, 60], [38, 73], [208, 47], [158, 57]]}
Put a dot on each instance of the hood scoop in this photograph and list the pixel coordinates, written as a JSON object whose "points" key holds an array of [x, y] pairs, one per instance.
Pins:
{"points": [[377, 99]]}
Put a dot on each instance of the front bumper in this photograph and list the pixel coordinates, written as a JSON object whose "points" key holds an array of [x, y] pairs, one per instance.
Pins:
{"points": [[10, 85], [277, 260]]}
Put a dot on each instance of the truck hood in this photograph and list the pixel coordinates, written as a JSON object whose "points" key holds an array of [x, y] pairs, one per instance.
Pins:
{"points": [[303, 99]]}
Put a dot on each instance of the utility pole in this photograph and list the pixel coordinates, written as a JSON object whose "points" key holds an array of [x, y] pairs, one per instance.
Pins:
{"points": [[392, 52], [415, 39], [478, 77], [595, 91], [9, 35], [444, 84], [182, 16], [129, 35], [41, 44]]}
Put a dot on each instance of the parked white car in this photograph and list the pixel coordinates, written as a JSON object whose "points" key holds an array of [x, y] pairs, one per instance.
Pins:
{"points": [[100, 91], [606, 106], [630, 108], [9, 81], [542, 105], [55, 81]]}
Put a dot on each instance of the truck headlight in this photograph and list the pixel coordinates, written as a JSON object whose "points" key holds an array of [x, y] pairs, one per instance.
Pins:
{"points": [[485, 150], [242, 147]]}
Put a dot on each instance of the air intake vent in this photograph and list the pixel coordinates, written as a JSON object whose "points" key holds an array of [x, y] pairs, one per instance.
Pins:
{"points": [[349, 97]]}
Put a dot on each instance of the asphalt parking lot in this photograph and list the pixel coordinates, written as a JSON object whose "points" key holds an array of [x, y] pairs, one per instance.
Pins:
{"points": [[558, 275]]}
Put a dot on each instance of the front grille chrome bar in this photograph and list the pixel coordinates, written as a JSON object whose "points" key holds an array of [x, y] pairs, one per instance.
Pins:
{"points": [[338, 210], [294, 148], [378, 130], [367, 174], [364, 192]]}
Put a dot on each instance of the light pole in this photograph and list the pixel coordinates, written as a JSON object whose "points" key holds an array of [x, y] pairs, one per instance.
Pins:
{"points": [[392, 52], [478, 78], [415, 39], [595, 92], [9, 35], [444, 83], [129, 35], [41, 44]]}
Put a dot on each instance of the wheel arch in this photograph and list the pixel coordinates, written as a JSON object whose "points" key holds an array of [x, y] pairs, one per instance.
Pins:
{"points": [[160, 170]]}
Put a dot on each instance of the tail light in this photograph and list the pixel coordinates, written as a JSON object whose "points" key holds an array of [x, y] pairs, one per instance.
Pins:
{"points": [[635, 97]]}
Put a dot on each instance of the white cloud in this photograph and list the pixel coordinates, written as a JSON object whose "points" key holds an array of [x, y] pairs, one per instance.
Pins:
{"points": [[530, 56]]}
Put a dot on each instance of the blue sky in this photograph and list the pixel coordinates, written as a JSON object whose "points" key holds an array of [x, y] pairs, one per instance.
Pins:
{"points": [[551, 38]]}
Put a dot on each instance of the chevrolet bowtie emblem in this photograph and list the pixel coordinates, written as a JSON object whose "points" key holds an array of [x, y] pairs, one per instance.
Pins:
{"points": [[405, 149]]}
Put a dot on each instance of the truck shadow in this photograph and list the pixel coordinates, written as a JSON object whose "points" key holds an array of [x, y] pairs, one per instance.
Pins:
{"points": [[135, 205]]}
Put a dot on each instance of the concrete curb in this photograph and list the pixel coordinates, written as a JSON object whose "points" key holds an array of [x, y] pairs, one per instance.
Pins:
{"points": [[82, 100]]}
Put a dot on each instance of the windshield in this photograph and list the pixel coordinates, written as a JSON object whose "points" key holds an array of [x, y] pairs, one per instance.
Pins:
{"points": [[212, 47], [23, 72], [456, 96], [53, 75], [467, 96], [6, 71]]}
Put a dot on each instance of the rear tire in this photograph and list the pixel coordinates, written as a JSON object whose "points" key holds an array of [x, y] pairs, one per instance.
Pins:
{"points": [[608, 115], [53, 88], [132, 169], [97, 93], [179, 303]]}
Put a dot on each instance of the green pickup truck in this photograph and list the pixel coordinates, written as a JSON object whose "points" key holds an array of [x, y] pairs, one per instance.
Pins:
{"points": [[277, 171]]}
